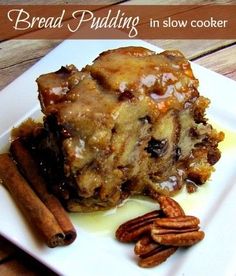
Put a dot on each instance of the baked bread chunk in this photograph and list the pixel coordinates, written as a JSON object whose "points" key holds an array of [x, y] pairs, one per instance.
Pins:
{"points": [[133, 122]]}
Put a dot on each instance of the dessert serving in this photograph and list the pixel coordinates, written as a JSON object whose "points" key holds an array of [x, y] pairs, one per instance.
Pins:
{"points": [[133, 122]]}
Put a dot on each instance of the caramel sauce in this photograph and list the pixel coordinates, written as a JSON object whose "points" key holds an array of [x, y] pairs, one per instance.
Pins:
{"points": [[153, 74]]}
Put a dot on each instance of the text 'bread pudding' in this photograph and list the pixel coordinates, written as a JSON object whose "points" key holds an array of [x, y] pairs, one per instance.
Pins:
{"points": [[133, 122]]}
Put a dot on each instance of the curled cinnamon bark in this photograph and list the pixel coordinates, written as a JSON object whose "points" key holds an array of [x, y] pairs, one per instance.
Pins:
{"points": [[29, 169], [33, 208]]}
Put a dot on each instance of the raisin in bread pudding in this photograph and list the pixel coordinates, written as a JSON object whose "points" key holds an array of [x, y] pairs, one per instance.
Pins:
{"points": [[133, 122]]}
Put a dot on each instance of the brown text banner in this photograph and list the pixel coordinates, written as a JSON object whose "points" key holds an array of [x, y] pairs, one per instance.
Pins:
{"points": [[118, 22]]}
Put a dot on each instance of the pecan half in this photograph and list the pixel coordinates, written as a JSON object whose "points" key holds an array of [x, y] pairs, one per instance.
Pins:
{"points": [[178, 222], [133, 229], [170, 207], [145, 245], [156, 256], [179, 231], [179, 239]]}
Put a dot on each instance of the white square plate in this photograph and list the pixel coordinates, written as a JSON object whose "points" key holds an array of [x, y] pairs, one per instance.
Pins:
{"points": [[95, 251]]}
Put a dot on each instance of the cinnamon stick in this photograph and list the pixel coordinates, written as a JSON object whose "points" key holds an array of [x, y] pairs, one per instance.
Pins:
{"points": [[30, 171], [32, 207]]}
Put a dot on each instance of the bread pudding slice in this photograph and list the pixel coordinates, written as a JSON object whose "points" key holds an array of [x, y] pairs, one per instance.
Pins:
{"points": [[133, 122]]}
